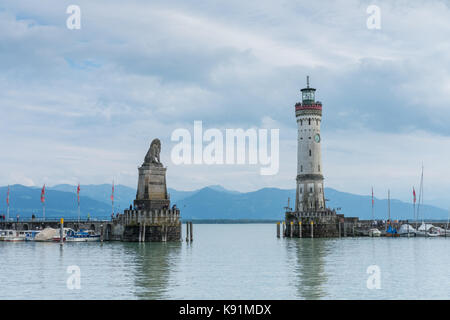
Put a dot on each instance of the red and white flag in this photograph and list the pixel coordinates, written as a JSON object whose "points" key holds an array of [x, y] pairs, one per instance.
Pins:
{"points": [[372, 197], [414, 195], [7, 197], [43, 194], [112, 194], [78, 193]]}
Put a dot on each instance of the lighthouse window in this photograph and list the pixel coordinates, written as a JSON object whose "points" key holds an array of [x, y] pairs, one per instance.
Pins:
{"points": [[301, 168], [301, 190], [319, 167], [301, 122], [317, 122], [310, 152], [309, 121], [310, 189]]}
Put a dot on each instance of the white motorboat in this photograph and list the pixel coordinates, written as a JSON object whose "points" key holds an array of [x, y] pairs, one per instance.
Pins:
{"points": [[82, 236], [406, 230], [374, 232], [427, 230], [12, 235]]}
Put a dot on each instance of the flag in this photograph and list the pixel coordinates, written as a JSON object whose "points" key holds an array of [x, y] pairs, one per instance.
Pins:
{"points": [[372, 197], [7, 197], [78, 193], [112, 194], [43, 194], [414, 195]]}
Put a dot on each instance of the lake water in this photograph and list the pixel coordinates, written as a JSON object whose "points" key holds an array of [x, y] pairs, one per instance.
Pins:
{"points": [[242, 261]]}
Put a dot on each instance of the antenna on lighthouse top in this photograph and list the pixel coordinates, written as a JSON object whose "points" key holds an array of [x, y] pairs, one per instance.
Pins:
{"points": [[307, 81]]}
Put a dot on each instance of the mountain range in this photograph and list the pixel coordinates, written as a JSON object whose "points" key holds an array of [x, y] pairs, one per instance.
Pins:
{"points": [[213, 202]]}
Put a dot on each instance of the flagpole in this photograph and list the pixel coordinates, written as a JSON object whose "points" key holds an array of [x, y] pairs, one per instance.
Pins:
{"points": [[78, 200], [7, 209], [373, 217], [112, 199]]}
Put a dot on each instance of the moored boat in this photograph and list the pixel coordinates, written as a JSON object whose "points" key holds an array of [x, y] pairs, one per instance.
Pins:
{"points": [[82, 236], [374, 232]]}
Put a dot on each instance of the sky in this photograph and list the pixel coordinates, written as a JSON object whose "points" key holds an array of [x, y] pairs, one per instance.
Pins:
{"points": [[83, 105]]}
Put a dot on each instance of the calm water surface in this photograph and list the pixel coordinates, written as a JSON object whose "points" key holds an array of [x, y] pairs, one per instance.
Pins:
{"points": [[229, 262]]}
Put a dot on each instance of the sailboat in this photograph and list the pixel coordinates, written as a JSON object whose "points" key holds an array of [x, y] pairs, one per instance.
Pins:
{"points": [[374, 232], [391, 231], [425, 230], [407, 230]]}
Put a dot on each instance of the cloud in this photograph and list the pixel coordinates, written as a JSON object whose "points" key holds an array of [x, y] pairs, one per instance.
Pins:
{"points": [[85, 104]]}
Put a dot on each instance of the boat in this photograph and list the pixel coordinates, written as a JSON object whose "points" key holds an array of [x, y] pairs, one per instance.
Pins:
{"points": [[407, 230], [12, 235], [391, 231], [46, 235], [425, 229], [30, 235], [374, 232], [57, 237], [82, 235], [428, 230]]}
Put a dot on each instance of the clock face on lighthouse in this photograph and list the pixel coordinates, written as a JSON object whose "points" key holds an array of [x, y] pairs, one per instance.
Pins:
{"points": [[317, 138]]}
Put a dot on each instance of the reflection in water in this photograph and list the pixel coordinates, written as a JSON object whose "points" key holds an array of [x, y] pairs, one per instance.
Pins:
{"points": [[154, 261], [309, 254]]}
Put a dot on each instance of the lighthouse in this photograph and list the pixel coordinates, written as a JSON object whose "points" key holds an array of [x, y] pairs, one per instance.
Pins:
{"points": [[310, 192], [311, 217]]}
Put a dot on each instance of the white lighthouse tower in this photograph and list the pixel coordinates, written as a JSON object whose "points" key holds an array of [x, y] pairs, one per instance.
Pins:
{"points": [[310, 193]]}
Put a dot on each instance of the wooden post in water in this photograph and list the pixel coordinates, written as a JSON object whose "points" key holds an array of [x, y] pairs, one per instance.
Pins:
{"points": [[300, 229], [61, 232], [353, 229], [143, 233], [187, 231], [140, 232], [101, 233], [278, 229], [284, 229], [345, 231], [312, 229], [292, 229], [339, 229], [192, 232]]}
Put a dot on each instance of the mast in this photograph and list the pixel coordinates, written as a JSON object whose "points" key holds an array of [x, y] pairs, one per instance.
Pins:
{"points": [[78, 200], [373, 217], [389, 206], [7, 209]]}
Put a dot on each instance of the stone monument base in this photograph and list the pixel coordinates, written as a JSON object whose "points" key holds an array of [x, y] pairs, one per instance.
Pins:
{"points": [[155, 225]]}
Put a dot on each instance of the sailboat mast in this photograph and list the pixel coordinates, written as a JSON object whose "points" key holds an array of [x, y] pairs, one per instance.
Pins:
{"points": [[389, 205]]}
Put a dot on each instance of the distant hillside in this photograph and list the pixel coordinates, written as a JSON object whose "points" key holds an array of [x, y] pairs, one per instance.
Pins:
{"points": [[26, 201], [123, 195], [213, 202]]}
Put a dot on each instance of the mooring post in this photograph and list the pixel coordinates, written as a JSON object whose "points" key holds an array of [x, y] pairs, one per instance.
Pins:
{"points": [[300, 229], [187, 231], [61, 232], [353, 229], [192, 232], [345, 231], [284, 229], [101, 233], [143, 233], [339, 223], [278, 229], [312, 229], [292, 229]]}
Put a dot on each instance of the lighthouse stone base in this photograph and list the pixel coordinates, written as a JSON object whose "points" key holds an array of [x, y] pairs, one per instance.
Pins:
{"points": [[319, 224]]}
